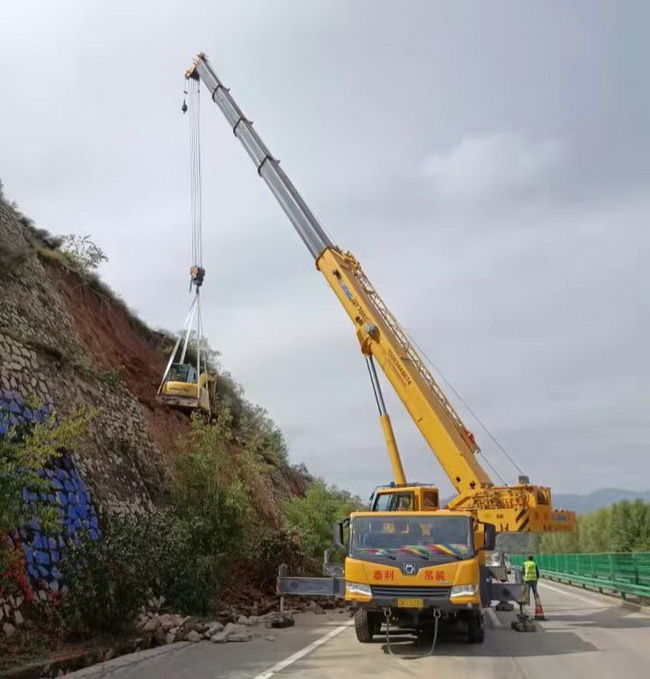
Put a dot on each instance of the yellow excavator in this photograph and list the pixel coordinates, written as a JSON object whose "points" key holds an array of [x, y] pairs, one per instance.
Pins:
{"points": [[409, 562], [184, 389]]}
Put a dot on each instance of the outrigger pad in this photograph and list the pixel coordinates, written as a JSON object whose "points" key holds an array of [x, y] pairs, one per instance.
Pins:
{"points": [[523, 624]]}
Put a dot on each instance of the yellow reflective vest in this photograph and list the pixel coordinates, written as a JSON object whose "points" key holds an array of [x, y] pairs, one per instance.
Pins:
{"points": [[530, 571]]}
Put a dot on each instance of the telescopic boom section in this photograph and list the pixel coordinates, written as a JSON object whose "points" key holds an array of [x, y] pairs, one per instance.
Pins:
{"points": [[303, 219], [522, 507], [379, 332]]}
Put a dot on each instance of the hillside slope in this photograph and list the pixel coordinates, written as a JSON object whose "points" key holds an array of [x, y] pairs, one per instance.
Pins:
{"points": [[65, 340]]}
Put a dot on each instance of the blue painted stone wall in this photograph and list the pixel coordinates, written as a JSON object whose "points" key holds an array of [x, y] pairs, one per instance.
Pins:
{"points": [[69, 495]]}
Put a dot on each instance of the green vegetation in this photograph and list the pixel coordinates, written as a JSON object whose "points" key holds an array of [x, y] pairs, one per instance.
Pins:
{"points": [[311, 517], [84, 254], [622, 527], [213, 535], [223, 525], [24, 452]]}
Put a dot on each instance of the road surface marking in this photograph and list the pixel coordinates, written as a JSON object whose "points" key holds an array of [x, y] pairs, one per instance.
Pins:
{"points": [[303, 652], [493, 617], [575, 596]]}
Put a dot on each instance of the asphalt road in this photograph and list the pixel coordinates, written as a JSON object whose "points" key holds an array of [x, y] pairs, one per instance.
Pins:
{"points": [[586, 636]]}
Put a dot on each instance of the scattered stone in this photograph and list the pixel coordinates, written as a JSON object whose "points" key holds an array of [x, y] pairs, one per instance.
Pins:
{"points": [[160, 637], [170, 637], [215, 628], [246, 636], [234, 628], [191, 624], [167, 621], [225, 616], [193, 636], [151, 625], [243, 620], [232, 632], [8, 629], [270, 638], [279, 619], [18, 618], [318, 609]]}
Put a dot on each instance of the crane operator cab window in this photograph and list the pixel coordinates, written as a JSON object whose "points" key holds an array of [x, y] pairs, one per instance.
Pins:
{"points": [[430, 500], [182, 372], [395, 502]]}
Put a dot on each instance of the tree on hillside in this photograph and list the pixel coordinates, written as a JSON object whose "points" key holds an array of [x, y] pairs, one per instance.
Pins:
{"points": [[313, 515], [622, 527], [82, 252]]}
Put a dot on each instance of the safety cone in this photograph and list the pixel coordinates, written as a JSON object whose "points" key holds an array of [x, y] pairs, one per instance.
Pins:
{"points": [[539, 611]]}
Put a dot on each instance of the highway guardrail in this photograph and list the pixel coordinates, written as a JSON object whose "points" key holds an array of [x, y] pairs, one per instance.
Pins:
{"points": [[626, 573]]}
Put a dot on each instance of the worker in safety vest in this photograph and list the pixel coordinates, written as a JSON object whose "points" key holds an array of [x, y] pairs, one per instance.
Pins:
{"points": [[531, 576]]}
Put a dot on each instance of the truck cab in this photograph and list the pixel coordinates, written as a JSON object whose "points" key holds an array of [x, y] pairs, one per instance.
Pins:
{"points": [[408, 569]]}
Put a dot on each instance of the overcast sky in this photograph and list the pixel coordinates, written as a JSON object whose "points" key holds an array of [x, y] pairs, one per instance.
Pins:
{"points": [[487, 162]]}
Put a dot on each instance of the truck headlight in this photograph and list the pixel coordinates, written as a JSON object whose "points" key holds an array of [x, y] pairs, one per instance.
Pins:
{"points": [[464, 590], [358, 588]]}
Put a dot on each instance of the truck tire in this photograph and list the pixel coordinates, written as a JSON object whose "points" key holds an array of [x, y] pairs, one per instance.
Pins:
{"points": [[476, 628], [365, 625]]}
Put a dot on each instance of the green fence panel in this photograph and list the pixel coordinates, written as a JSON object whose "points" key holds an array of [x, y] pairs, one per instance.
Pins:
{"points": [[626, 573]]}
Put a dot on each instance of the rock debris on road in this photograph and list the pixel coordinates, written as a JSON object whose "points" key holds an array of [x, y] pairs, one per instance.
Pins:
{"points": [[586, 636]]}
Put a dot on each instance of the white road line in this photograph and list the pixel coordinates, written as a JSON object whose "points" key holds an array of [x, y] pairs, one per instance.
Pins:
{"points": [[302, 653], [575, 596], [494, 619]]}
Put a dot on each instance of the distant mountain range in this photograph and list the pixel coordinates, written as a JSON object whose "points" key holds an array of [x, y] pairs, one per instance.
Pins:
{"points": [[596, 499]]}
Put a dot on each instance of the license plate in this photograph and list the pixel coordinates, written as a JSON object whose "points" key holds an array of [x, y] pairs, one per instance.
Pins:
{"points": [[410, 603]]}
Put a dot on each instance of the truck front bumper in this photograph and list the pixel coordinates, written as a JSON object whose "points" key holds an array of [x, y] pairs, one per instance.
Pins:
{"points": [[379, 603]]}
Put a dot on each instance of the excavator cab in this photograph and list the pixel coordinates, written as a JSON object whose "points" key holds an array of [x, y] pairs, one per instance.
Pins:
{"points": [[182, 372], [182, 389]]}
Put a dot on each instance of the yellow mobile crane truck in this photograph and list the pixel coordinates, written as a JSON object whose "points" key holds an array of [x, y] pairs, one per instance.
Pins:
{"points": [[410, 562]]}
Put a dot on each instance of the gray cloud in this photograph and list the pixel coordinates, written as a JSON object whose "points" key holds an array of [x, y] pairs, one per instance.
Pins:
{"points": [[488, 164]]}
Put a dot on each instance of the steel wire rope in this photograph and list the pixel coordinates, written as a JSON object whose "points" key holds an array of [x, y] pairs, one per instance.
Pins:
{"points": [[196, 197], [470, 410], [196, 210]]}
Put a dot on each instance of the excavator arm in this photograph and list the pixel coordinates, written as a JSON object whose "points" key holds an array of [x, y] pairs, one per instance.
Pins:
{"points": [[523, 507]]}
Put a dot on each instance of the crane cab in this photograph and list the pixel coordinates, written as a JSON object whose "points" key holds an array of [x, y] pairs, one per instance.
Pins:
{"points": [[407, 498], [185, 390]]}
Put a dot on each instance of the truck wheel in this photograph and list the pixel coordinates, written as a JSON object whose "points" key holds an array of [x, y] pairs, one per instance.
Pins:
{"points": [[365, 625], [476, 628]]}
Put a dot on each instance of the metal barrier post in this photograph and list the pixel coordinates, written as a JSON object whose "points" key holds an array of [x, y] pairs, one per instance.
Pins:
{"points": [[282, 573]]}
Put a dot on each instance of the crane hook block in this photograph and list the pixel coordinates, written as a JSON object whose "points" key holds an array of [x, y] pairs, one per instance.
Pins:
{"points": [[184, 106], [198, 274]]}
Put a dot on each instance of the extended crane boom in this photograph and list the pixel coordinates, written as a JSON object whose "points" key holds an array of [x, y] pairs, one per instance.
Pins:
{"points": [[511, 508]]}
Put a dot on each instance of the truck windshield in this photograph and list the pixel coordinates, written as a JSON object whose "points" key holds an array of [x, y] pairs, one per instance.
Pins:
{"points": [[426, 536]]}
